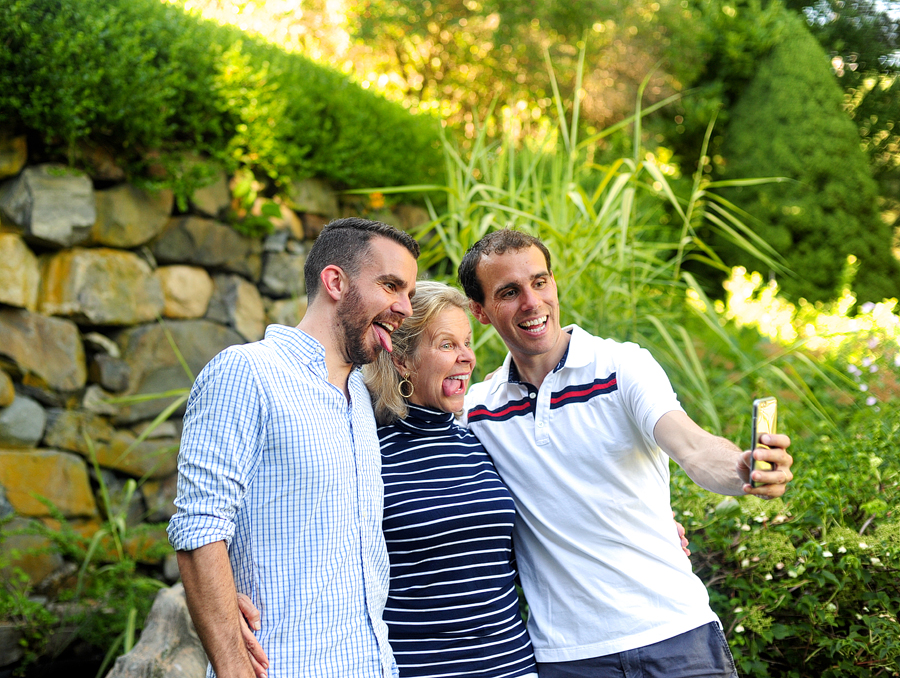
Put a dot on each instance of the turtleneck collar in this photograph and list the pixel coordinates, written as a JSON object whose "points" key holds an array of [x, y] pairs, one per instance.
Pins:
{"points": [[422, 418]]}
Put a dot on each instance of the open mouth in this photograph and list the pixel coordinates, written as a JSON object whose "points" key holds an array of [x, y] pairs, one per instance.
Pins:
{"points": [[535, 325], [455, 384], [383, 330]]}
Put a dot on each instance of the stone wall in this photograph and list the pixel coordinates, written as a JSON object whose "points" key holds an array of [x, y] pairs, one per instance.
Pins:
{"points": [[99, 284]]}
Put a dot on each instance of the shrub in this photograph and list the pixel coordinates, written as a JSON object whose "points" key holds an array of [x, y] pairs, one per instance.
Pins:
{"points": [[808, 586], [148, 81], [789, 122]]}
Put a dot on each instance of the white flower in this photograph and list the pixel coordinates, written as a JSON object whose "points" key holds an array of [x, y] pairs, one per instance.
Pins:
{"points": [[897, 360], [745, 527], [738, 629], [853, 369], [873, 368], [831, 607], [871, 400], [863, 545], [863, 387], [827, 554], [745, 562], [866, 362], [768, 577], [842, 549], [738, 610], [875, 561], [760, 519], [792, 574], [867, 307], [687, 513]]}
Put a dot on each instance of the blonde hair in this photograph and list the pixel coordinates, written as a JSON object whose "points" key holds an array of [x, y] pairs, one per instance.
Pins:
{"points": [[381, 377]]}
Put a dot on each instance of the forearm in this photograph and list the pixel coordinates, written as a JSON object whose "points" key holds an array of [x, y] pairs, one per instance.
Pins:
{"points": [[712, 462], [212, 601], [715, 468]]}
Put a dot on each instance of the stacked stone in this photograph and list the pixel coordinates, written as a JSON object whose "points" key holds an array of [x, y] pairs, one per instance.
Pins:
{"points": [[110, 294]]}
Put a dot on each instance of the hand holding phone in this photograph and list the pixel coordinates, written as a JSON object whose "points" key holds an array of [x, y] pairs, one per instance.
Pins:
{"points": [[765, 420]]}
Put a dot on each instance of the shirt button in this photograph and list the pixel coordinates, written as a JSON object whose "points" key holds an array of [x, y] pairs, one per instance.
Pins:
{"points": [[540, 424], [532, 395]]}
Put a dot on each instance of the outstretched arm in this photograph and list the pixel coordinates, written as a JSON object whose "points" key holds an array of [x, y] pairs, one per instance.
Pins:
{"points": [[212, 602], [719, 465]]}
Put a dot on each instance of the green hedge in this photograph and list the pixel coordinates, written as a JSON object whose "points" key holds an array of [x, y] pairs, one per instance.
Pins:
{"points": [[809, 586], [150, 82]]}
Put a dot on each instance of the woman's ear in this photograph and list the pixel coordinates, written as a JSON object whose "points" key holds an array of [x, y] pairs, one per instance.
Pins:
{"points": [[402, 365]]}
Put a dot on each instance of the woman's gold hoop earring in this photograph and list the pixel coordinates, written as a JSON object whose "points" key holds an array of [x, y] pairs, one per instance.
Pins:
{"points": [[405, 388]]}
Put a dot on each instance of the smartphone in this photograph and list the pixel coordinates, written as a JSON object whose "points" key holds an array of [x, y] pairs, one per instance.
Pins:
{"points": [[765, 420]]}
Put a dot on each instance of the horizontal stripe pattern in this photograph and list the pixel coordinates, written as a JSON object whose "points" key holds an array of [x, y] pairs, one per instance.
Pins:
{"points": [[452, 608]]}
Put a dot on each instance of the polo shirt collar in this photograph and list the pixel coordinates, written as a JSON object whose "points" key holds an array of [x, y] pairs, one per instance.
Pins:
{"points": [[575, 356]]}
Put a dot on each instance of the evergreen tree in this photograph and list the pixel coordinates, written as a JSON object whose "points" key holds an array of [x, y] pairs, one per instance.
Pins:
{"points": [[789, 122]]}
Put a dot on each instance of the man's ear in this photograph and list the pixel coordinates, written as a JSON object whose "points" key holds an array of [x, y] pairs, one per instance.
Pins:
{"points": [[478, 311], [334, 281]]}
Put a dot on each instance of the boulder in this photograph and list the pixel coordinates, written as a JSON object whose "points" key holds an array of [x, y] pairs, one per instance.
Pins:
{"points": [[128, 216], [313, 196], [22, 423], [238, 304], [213, 199], [100, 287], [47, 352], [116, 449], [186, 290], [13, 155], [282, 275], [155, 368], [159, 496], [7, 390], [59, 477], [52, 205], [32, 553], [313, 225], [286, 311], [20, 275], [111, 374], [210, 244], [169, 646]]}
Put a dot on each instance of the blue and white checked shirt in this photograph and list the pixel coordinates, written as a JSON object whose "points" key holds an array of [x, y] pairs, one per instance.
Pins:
{"points": [[276, 462]]}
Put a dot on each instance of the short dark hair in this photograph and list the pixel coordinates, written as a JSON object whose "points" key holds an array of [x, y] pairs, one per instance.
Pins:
{"points": [[344, 243], [495, 242]]}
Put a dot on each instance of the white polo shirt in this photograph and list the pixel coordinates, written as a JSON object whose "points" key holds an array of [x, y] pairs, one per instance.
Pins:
{"points": [[599, 558]]}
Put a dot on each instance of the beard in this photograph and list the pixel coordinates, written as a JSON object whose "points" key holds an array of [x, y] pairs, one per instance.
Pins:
{"points": [[354, 326]]}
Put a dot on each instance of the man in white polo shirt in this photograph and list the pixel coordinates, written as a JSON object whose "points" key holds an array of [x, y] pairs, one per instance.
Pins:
{"points": [[581, 430]]}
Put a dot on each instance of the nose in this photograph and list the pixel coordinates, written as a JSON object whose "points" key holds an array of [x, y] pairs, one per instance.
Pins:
{"points": [[466, 355], [529, 299], [403, 306]]}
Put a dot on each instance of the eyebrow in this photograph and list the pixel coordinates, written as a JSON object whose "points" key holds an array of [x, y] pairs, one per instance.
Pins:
{"points": [[513, 285], [391, 278]]}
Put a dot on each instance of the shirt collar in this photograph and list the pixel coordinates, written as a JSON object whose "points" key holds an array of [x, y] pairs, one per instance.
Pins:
{"points": [[508, 373], [305, 350]]}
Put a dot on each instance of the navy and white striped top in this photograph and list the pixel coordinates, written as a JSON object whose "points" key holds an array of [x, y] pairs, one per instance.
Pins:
{"points": [[452, 609]]}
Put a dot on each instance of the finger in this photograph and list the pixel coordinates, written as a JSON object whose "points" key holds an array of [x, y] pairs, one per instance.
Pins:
{"points": [[257, 655], [249, 610]]}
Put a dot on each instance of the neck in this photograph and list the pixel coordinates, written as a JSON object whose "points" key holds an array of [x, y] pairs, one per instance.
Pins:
{"points": [[321, 328], [533, 369]]}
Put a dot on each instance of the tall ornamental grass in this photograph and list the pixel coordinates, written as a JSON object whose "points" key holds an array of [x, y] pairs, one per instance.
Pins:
{"points": [[620, 237]]}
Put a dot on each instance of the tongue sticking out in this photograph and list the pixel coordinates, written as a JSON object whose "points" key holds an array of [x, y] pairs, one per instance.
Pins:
{"points": [[452, 386], [384, 338]]}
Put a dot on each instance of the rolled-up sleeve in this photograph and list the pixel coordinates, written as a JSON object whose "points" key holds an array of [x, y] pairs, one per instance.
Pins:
{"points": [[220, 452]]}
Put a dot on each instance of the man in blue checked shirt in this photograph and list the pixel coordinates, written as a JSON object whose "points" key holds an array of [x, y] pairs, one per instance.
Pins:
{"points": [[279, 486]]}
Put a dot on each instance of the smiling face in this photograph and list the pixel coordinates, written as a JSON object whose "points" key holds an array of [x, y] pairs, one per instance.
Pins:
{"points": [[377, 301], [442, 364], [521, 302]]}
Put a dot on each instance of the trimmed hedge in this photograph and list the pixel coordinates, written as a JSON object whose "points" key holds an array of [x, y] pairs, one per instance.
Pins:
{"points": [[789, 122], [151, 82]]}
